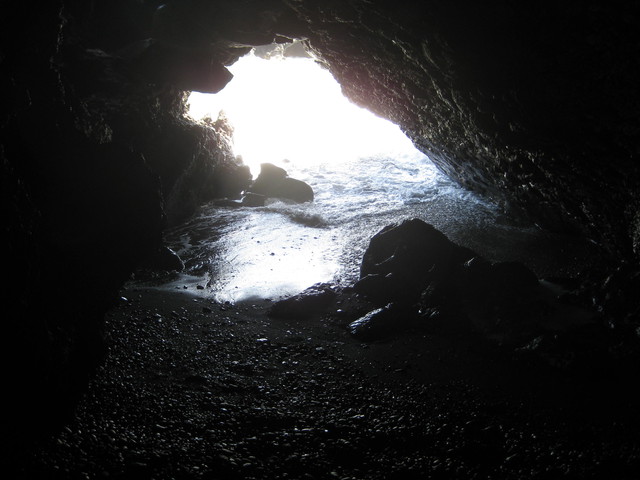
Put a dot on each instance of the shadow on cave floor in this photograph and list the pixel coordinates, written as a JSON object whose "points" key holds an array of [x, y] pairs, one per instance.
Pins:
{"points": [[192, 388]]}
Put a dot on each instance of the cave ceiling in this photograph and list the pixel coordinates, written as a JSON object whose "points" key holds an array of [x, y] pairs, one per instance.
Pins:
{"points": [[533, 105]]}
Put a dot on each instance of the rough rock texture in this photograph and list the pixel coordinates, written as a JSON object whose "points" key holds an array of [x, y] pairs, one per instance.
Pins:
{"points": [[416, 273], [413, 279], [535, 105], [96, 159]]}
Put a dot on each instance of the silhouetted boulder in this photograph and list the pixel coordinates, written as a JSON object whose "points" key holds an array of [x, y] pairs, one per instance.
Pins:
{"points": [[269, 173], [373, 285], [250, 199], [402, 258], [411, 245], [293, 189], [381, 322], [419, 270], [273, 182], [310, 302]]}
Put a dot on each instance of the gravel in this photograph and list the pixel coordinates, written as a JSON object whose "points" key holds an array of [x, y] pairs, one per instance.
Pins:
{"points": [[195, 389]]}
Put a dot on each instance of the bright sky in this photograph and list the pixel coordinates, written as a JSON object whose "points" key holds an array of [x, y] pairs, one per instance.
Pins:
{"points": [[292, 108]]}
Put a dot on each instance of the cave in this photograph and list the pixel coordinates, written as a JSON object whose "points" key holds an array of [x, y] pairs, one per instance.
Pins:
{"points": [[531, 107]]}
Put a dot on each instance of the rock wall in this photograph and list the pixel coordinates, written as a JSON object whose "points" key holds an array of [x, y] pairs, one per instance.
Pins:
{"points": [[97, 159], [534, 105]]}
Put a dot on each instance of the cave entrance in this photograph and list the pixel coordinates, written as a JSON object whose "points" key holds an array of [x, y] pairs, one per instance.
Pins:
{"points": [[288, 110]]}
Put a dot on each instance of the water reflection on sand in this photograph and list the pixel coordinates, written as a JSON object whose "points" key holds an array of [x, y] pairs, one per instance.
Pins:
{"points": [[239, 253], [253, 253]]}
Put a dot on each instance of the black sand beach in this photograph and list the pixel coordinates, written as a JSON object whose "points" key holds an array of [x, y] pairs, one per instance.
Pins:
{"points": [[195, 389]]}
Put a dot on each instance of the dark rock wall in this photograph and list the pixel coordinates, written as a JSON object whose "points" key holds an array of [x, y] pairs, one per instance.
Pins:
{"points": [[96, 160], [533, 104]]}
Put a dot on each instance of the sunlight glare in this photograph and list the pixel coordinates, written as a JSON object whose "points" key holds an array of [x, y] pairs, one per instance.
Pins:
{"points": [[292, 110]]}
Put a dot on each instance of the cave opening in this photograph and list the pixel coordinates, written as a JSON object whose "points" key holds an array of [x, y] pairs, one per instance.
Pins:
{"points": [[285, 108]]}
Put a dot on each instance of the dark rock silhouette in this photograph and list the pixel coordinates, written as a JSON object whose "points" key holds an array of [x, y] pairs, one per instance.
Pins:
{"points": [[381, 322], [310, 302], [251, 199], [402, 258], [437, 285], [189, 69], [273, 182]]}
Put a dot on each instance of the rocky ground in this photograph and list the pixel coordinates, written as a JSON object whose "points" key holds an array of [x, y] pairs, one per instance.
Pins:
{"points": [[195, 389]]}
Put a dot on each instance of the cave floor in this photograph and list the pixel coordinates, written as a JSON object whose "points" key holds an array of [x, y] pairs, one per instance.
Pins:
{"points": [[196, 389]]}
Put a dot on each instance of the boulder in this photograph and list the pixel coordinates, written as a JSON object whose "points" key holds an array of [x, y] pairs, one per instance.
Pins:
{"points": [[415, 267], [382, 289], [381, 322], [403, 258], [312, 301], [293, 189], [274, 182], [269, 174], [411, 245], [374, 285], [253, 200], [503, 301]]}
